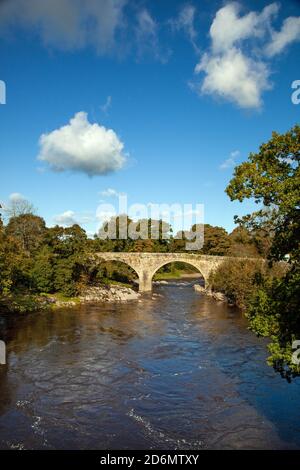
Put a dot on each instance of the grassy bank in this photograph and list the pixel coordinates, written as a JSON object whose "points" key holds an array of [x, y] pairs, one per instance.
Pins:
{"points": [[167, 275]]}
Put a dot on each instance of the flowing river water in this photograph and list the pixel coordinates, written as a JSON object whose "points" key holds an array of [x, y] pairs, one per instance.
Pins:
{"points": [[175, 370]]}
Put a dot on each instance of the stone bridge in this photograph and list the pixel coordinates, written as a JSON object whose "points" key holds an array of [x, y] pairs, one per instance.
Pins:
{"points": [[146, 264]]}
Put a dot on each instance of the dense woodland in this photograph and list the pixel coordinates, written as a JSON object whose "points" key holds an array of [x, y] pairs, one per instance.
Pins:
{"points": [[35, 259]]}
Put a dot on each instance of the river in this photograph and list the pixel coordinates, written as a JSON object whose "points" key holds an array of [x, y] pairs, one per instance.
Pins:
{"points": [[175, 370]]}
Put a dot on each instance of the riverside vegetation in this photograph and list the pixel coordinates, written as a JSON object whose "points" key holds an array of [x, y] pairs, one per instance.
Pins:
{"points": [[38, 262]]}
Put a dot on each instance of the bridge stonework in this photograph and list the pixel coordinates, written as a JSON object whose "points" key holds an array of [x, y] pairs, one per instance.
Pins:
{"points": [[146, 264]]}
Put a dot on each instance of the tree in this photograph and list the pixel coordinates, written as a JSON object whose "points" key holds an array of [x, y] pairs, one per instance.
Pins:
{"points": [[140, 246], [18, 205], [11, 262], [69, 250], [42, 271], [29, 229], [243, 243], [216, 240], [116, 231], [272, 178], [158, 233], [178, 243], [66, 241]]}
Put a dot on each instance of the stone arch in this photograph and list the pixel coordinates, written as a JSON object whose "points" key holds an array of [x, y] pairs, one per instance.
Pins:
{"points": [[117, 259], [191, 263]]}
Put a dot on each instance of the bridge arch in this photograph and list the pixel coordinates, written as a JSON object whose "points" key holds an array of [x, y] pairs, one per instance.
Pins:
{"points": [[188, 263], [117, 261]]}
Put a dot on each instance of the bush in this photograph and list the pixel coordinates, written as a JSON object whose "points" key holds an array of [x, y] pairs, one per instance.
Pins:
{"points": [[237, 279]]}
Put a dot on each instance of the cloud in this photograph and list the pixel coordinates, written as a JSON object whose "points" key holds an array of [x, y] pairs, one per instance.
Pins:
{"points": [[82, 147], [289, 33], [66, 219], [69, 218], [110, 192], [17, 205], [231, 161], [107, 26], [147, 36], [234, 77], [185, 22], [107, 105], [229, 29], [67, 24], [16, 197], [236, 66], [146, 31]]}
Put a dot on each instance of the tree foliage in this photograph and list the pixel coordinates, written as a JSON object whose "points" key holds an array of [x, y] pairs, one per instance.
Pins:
{"points": [[28, 228], [272, 178]]}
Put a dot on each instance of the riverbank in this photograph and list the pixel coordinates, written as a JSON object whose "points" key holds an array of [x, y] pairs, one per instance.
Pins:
{"points": [[26, 303], [219, 296], [112, 292]]}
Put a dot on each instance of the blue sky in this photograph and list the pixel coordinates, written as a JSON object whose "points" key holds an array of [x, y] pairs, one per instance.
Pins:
{"points": [[154, 128]]}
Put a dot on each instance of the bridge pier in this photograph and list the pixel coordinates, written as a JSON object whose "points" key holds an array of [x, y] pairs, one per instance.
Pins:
{"points": [[145, 282]]}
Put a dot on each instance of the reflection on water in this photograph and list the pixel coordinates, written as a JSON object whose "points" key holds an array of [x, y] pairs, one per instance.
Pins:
{"points": [[174, 370]]}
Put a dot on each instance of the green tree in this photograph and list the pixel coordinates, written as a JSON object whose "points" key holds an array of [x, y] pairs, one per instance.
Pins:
{"points": [[12, 262], [216, 240], [70, 252], [42, 271], [272, 178]]}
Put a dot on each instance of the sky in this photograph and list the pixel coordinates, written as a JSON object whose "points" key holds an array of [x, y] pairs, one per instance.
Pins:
{"points": [[155, 99]]}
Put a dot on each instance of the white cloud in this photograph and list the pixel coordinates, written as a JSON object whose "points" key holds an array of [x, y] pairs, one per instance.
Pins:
{"points": [[16, 197], [110, 192], [289, 33], [66, 219], [234, 77], [107, 105], [228, 28], [67, 24], [235, 67], [17, 205], [69, 218], [82, 147], [231, 161]]}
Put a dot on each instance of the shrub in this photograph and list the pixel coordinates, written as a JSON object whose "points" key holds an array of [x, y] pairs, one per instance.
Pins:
{"points": [[237, 279]]}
